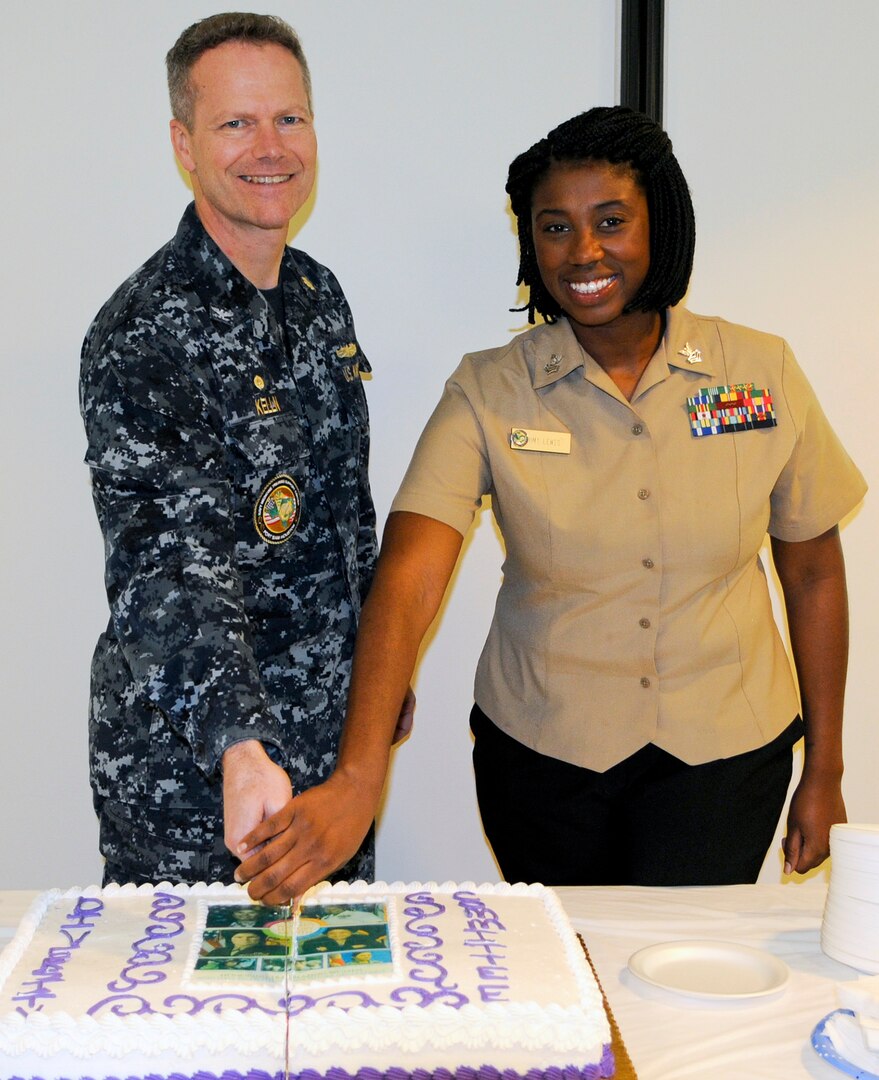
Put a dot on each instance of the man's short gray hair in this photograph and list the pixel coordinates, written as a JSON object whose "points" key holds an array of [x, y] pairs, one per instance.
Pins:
{"points": [[217, 30]]}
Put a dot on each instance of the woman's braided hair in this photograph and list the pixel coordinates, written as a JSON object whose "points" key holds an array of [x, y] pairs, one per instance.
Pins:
{"points": [[620, 136]]}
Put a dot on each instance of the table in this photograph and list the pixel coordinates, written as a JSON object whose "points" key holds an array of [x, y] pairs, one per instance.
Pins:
{"points": [[670, 1037]]}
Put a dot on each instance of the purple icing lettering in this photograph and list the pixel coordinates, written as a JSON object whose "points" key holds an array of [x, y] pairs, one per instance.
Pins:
{"points": [[481, 933], [491, 974], [474, 906], [39, 993], [484, 935], [490, 961], [74, 942], [58, 954], [486, 924], [85, 913], [488, 948], [49, 972]]}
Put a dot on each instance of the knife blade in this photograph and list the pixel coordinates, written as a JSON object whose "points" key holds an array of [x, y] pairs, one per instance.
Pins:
{"points": [[288, 959]]}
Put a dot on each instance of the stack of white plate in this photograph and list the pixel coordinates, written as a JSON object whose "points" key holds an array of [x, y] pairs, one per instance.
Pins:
{"points": [[850, 930]]}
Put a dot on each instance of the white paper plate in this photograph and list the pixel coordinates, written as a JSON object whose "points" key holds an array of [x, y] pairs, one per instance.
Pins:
{"points": [[710, 969]]}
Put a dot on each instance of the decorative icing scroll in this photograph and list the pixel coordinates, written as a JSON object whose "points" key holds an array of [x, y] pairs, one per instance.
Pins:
{"points": [[423, 953], [155, 949], [179, 1005]]}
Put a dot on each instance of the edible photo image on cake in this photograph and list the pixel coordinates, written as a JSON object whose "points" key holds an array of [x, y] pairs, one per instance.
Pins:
{"points": [[232, 916], [333, 937], [242, 938], [320, 939]]}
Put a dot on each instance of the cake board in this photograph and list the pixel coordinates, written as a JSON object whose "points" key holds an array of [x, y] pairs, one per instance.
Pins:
{"points": [[625, 1070]]}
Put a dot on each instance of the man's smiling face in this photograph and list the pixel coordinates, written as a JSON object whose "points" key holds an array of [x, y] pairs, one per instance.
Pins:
{"points": [[251, 148]]}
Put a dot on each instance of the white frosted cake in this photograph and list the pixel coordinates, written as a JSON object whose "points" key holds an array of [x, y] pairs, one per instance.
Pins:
{"points": [[370, 980]]}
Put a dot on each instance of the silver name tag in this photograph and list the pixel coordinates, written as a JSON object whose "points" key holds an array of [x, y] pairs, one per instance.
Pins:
{"points": [[549, 442]]}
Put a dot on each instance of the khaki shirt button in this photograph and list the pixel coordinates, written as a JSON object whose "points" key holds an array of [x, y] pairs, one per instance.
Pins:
{"points": [[643, 494], [645, 682], [637, 429], [648, 564], [644, 624]]}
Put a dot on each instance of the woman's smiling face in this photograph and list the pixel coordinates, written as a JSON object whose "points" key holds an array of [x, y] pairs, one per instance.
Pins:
{"points": [[591, 233]]}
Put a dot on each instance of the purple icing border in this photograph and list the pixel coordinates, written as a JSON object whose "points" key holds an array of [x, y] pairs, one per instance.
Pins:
{"points": [[604, 1070]]}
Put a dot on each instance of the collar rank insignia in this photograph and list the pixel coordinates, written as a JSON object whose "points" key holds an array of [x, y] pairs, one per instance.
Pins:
{"points": [[306, 283], [692, 356], [552, 366], [345, 352], [722, 410]]}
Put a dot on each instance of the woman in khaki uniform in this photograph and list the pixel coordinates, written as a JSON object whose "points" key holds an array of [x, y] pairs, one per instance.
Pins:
{"points": [[635, 707]]}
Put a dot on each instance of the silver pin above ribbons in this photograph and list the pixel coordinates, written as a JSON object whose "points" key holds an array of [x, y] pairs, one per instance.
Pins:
{"points": [[692, 356]]}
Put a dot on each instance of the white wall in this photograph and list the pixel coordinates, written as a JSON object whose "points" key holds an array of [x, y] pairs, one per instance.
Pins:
{"points": [[772, 109], [420, 108]]}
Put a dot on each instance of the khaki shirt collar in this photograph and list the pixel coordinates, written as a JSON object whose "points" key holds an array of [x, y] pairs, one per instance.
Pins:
{"points": [[691, 344], [552, 352]]}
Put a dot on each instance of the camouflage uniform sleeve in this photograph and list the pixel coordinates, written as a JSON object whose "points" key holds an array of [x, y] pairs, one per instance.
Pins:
{"points": [[155, 451], [367, 543]]}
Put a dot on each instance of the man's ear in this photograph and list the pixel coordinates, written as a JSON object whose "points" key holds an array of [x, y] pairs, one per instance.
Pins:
{"points": [[180, 140]]}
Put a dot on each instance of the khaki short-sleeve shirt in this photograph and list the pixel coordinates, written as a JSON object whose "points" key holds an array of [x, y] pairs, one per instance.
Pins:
{"points": [[634, 607]]}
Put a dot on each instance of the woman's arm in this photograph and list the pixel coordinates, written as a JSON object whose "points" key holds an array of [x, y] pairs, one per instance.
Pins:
{"points": [[812, 575], [321, 828]]}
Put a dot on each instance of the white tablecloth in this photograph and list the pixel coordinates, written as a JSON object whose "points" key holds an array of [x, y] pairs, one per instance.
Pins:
{"points": [[672, 1037]]}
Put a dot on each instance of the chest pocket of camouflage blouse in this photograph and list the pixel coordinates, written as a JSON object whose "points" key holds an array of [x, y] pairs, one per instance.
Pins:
{"points": [[258, 451]]}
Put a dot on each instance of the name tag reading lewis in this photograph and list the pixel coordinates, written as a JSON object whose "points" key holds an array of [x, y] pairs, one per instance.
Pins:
{"points": [[549, 442]]}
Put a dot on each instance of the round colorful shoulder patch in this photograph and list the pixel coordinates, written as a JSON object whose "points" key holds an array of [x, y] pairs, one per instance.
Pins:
{"points": [[277, 510]]}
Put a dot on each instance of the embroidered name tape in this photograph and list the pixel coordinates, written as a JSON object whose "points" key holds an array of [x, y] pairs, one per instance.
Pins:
{"points": [[266, 404], [720, 410], [548, 442]]}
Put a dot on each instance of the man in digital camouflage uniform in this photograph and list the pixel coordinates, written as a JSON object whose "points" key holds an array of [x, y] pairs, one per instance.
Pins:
{"points": [[227, 441]]}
